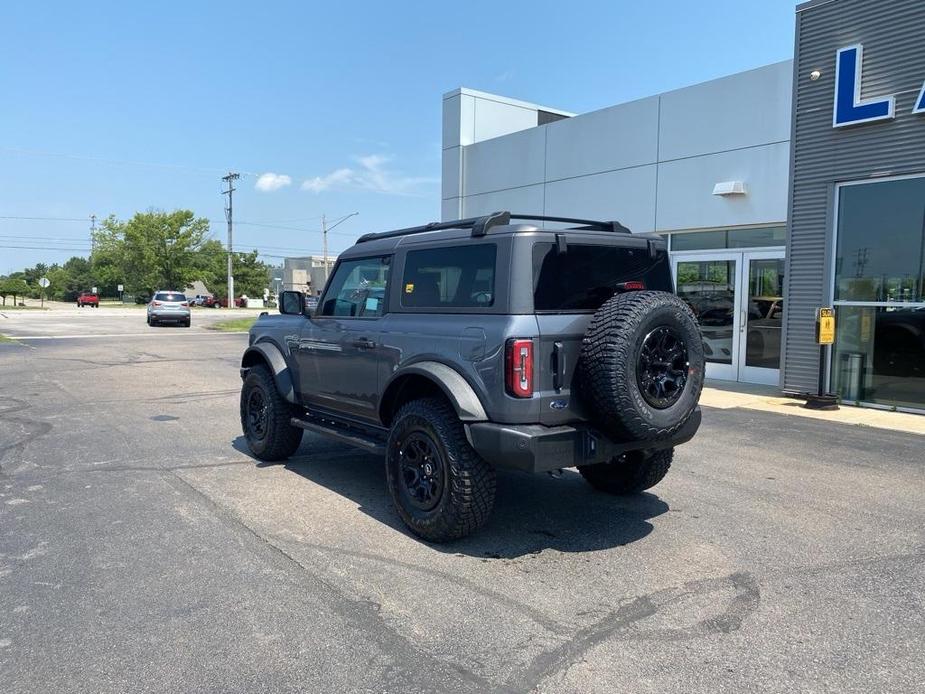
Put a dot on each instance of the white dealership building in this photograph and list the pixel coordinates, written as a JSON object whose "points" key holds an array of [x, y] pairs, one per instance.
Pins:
{"points": [[745, 175]]}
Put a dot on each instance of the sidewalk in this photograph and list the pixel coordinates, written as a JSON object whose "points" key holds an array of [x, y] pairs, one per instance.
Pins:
{"points": [[725, 396]]}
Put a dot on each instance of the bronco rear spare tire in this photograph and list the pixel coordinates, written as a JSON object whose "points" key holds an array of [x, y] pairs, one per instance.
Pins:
{"points": [[641, 365]]}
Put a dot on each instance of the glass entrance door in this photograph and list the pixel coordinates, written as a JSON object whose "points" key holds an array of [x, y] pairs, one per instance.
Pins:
{"points": [[709, 286], [737, 298], [761, 317]]}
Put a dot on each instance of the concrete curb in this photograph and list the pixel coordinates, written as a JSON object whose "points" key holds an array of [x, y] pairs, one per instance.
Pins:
{"points": [[858, 416]]}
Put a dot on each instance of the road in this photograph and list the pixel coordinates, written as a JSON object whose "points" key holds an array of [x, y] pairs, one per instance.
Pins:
{"points": [[66, 320], [143, 550]]}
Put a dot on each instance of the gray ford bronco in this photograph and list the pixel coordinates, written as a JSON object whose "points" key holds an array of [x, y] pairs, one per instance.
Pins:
{"points": [[460, 347]]}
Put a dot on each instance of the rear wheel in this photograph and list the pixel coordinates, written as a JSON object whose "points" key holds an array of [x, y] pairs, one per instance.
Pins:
{"points": [[266, 417], [441, 487], [629, 473]]}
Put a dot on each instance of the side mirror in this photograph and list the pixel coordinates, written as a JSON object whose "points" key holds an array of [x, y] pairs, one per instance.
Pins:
{"points": [[291, 303]]}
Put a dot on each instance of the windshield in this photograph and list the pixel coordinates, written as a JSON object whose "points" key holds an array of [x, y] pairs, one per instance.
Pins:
{"points": [[165, 296], [585, 276]]}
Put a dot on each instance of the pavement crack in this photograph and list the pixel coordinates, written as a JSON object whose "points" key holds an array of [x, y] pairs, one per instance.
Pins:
{"points": [[627, 620], [362, 612]]}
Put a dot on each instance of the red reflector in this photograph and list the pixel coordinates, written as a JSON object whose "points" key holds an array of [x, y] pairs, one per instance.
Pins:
{"points": [[633, 286], [519, 368]]}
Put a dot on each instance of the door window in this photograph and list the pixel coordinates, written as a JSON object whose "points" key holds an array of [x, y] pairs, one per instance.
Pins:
{"points": [[357, 289], [765, 313], [708, 287]]}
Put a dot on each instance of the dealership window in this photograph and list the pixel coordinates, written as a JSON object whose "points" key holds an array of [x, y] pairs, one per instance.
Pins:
{"points": [[879, 354], [752, 237]]}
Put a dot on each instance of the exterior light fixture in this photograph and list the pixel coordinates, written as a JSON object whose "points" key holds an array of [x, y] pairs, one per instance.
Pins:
{"points": [[725, 188]]}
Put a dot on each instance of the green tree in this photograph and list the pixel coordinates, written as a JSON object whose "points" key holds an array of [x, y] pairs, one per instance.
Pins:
{"points": [[152, 250], [13, 287], [250, 273]]}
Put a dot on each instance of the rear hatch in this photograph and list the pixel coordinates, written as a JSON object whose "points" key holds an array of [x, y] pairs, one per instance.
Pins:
{"points": [[170, 301], [570, 282]]}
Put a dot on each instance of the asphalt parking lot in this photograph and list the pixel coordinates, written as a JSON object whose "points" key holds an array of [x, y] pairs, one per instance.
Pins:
{"points": [[143, 550]]}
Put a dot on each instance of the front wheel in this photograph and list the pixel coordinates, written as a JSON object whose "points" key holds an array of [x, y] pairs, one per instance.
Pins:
{"points": [[441, 487], [266, 417], [630, 473]]}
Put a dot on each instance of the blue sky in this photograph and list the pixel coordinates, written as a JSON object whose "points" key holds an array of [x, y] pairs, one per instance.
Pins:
{"points": [[117, 107]]}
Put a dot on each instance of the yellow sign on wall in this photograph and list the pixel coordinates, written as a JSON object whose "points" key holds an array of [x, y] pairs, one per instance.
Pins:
{"points": [[825, 326]]}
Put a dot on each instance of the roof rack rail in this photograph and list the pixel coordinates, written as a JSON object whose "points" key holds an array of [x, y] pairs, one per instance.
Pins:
{"points": [[586, 224], [481, 225]]}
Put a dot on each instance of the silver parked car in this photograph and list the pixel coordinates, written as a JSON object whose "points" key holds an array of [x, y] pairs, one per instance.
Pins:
{"points": [[169, 307]]}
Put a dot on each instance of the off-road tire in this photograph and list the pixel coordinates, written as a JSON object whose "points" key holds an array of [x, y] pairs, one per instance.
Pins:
{"points": [[630, 473], [467, 482], [278, 439], [610, 354]]}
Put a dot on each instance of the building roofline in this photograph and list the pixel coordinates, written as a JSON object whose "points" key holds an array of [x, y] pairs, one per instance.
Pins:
{"points": [[504, 100], [809, 4]]}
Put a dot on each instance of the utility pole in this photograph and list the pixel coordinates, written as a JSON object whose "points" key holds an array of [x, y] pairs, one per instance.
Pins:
{"points": [[324, 233], [230, 178], [92, 233], [324, 236]]}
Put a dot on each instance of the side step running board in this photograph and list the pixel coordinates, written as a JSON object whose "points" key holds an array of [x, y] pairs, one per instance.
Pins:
{"points": [[351, 438]]}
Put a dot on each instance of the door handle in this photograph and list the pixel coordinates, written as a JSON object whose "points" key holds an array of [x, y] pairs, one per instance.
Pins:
{"points": [[558, 374], [363, 343]]}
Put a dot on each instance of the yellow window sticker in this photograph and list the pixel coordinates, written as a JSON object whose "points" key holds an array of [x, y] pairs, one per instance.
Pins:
{"points": [[409, 288]]}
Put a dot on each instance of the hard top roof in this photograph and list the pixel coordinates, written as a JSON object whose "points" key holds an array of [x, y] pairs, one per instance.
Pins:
{"points": [[496, 224]]}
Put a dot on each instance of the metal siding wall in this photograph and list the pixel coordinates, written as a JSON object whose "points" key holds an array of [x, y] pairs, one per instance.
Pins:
{"points": [[894, 63]]}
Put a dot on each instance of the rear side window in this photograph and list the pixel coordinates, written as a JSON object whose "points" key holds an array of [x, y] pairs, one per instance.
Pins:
{"points": [[451, 277], [165, 296], [585, 276]]}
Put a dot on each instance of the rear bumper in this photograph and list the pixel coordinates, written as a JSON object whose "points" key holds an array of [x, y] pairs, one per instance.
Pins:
{"points": [[170, 316], [538, 448]]}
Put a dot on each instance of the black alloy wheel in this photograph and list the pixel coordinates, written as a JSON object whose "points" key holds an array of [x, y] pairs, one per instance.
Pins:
{"points": [[662, 368], [422, 473], [256, 414]]}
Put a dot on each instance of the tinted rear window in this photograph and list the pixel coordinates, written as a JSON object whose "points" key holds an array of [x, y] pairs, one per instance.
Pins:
{"points": [[453, 277], [164, 296], [585, 276]]}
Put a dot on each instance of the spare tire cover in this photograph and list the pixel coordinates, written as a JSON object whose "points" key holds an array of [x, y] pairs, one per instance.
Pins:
{"points": [[641, 368]]}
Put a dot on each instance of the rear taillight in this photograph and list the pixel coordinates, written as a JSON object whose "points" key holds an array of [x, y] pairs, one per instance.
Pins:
{"points": [[185, 303], [633, 286], [519, 368], [157, 303]]}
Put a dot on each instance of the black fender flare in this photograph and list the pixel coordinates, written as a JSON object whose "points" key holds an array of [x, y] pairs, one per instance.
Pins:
{"points": [[272, 356], [457, 390]]}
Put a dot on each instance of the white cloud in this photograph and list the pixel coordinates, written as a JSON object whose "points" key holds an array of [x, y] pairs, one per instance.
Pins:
{"points": [[270, 181], [371, 173]]}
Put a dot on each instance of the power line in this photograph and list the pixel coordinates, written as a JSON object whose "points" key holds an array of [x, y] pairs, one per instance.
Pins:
{"points": [[121, 162], [48, 219], [211, 221]]}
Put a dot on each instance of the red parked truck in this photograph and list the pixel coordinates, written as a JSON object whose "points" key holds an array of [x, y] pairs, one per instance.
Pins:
{"points": [[88, 299]]}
